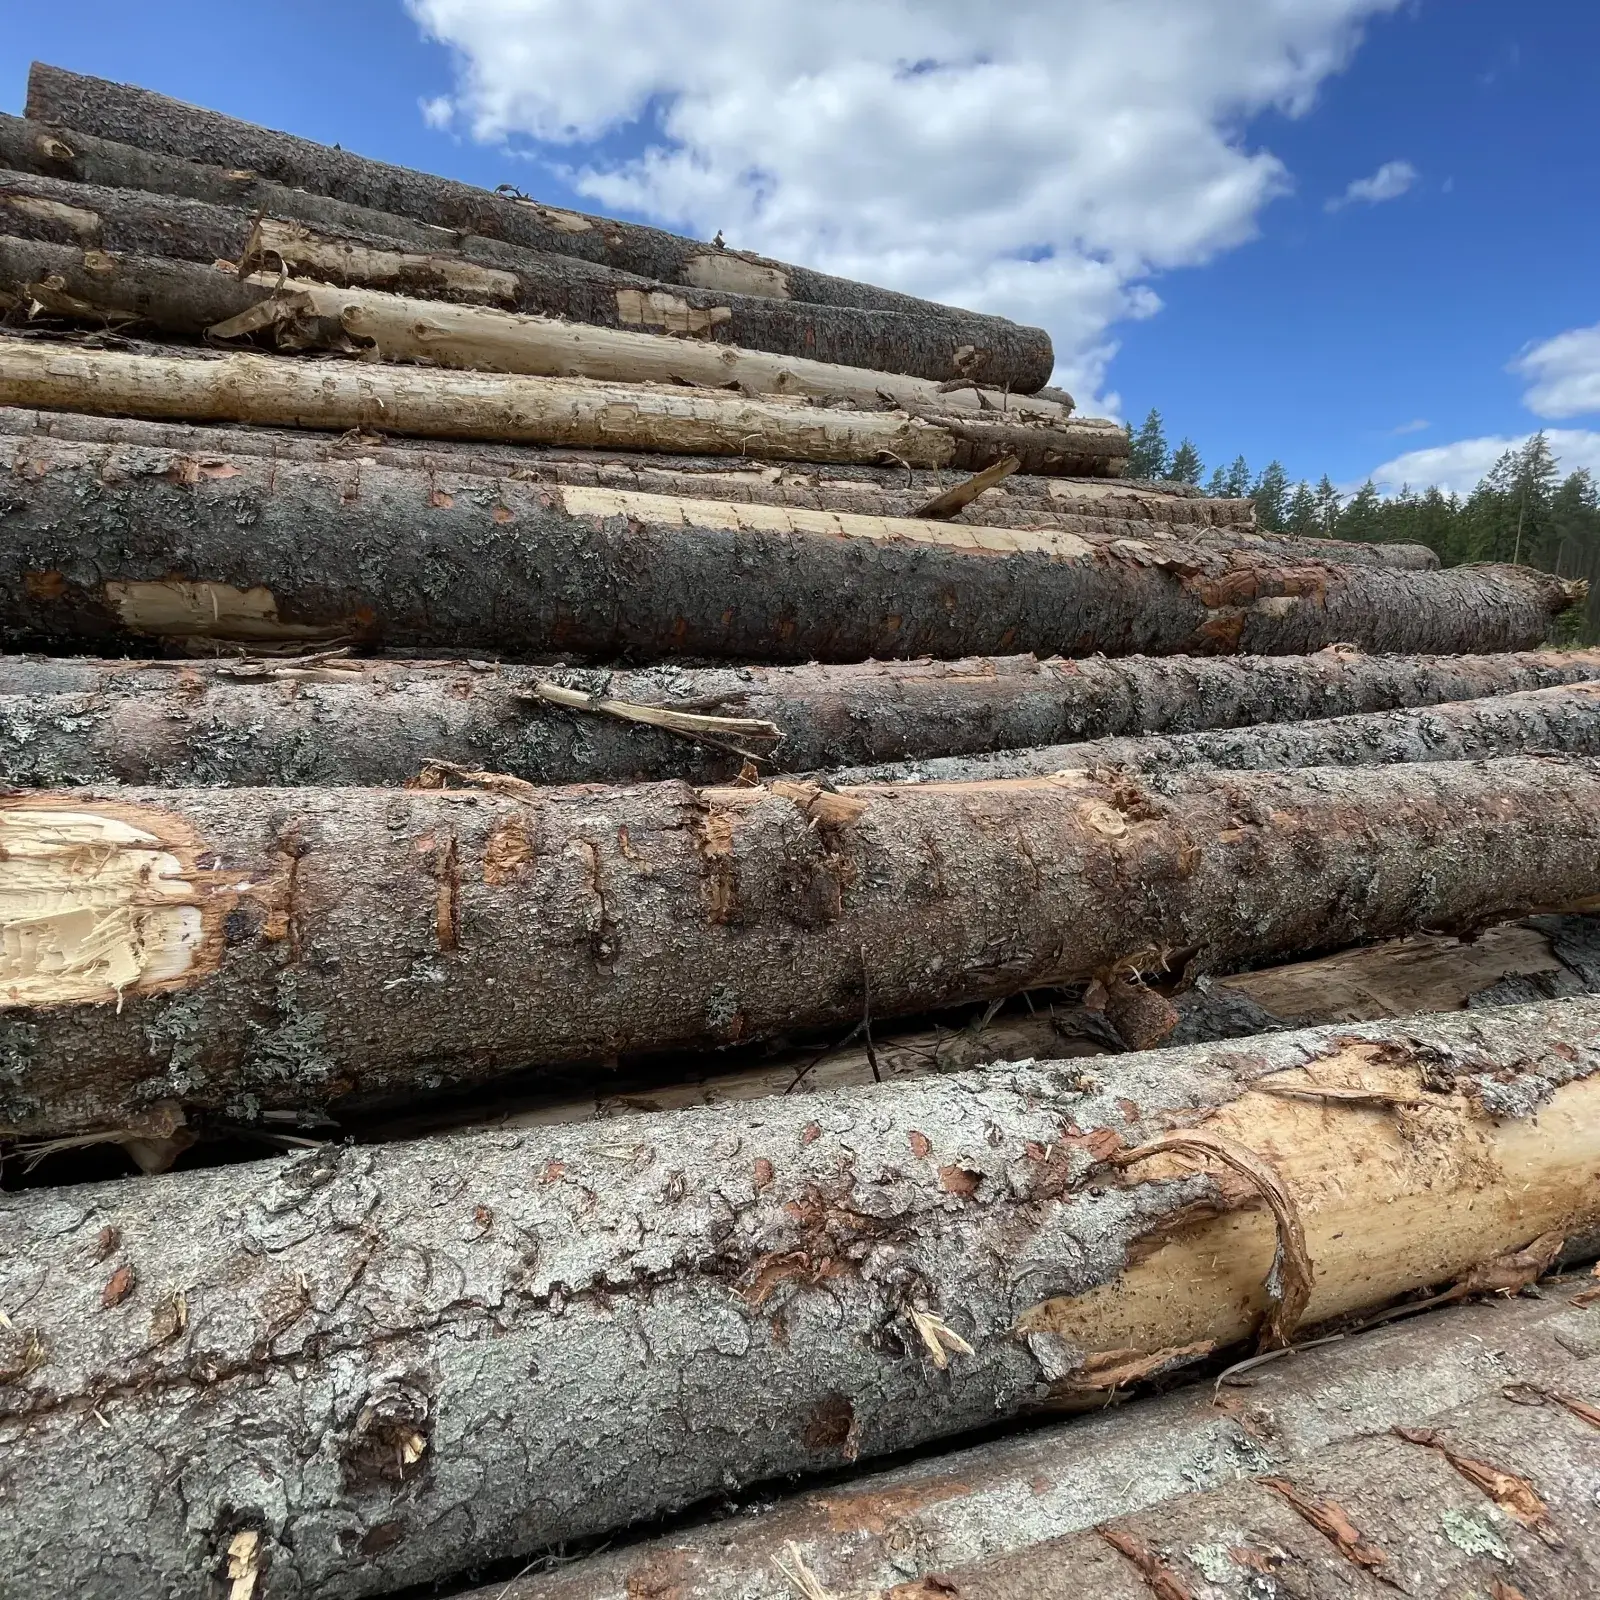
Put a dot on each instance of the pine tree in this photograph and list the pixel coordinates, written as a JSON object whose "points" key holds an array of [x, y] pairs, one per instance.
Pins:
{"points": [[1218, 486], [1363, 515], [1148, 458], [1270, 492], [1301, 516], [1327, 507], [1185, 466], [1237, 479]]}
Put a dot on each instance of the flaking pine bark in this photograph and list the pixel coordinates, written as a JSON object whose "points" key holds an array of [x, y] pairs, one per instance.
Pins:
{"points": [[352, 245], [343, 720], [446, 404], [945, 1514], [113, 546], [69, 101], [248, 950], [364, 1368]]}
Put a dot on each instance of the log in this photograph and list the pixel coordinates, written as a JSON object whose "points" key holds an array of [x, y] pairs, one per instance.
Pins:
{"points": [[333, 242], [1077, 504], [945, 1514], [183, 298], [342, 720], [390, 1364], [112, 548], [256, 950], [1496, 1499], [474, 405], [1540, 958], [1561, 719], [71, 102]]}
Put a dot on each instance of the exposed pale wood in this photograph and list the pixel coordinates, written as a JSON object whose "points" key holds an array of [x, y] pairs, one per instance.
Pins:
{"points": [[447, 1352], [952, 501]]}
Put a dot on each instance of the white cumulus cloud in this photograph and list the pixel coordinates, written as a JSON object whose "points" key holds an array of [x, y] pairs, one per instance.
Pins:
{"points": [[1042, 158], [1566, 374], [1456, 468], [1389, 182]]}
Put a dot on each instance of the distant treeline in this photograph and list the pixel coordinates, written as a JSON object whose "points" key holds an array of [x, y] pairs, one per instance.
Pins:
{"points": [[1521, 510]]}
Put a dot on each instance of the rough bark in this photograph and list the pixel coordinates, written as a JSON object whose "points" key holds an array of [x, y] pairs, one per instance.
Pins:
{"points": [[266, 949], [346, 720], [945, 1514], [1504, 1507], [382, 251], [1077, 504], [1561, 719], [1541, 958], [389, 1364], [69, 101], [341, 395], [183, 297], [111, 548]]}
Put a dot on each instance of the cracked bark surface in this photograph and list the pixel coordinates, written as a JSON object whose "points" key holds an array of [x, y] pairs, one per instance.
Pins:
{"points": [[1116, 506], [111, 546], [254, 949], [112, 207], [67, 720], [338, 395], [974, 1515], [133, 116], [392, 1363], [1564, 719]]}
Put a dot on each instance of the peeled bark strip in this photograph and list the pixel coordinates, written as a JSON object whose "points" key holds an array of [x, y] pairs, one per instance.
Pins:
{"points": [[151, 121], [1361, 1520], [349, 721], [1076, 504], [1565, 719], [183, 297], [559, 411], [390, 1364], [253, 949], [117, 547], [386, 252], [945, 1514]]}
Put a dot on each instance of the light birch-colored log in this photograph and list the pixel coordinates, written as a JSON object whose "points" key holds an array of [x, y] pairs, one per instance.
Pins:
{"points": [[391, 1364], [249, 950], [562, 411]]}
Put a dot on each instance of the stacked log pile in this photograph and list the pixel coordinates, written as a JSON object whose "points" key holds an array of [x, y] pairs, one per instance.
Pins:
{"points": [[629, 872]]}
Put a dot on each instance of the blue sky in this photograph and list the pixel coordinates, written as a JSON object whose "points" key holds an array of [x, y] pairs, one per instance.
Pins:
{"points": [[1150, 178]]}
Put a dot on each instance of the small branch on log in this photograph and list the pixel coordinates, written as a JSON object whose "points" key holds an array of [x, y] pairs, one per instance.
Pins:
{"points": [[720, 731], [944, 506]]}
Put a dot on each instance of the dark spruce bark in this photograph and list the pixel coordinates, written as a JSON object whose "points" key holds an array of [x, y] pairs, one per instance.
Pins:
{"points": [[246, 950], [361, 1369], [1078, 505], [432, 265], [999, 1501], [1565, 719], [115, 548], [353, 721], [134, 116]]}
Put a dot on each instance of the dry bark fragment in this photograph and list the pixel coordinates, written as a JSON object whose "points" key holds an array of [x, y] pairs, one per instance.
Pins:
{"points": [[361, 1354]]}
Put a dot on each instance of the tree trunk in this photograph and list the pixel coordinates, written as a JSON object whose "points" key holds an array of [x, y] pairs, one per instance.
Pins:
{"points": [[1496, 1499], [349, 721], [113, 548], [471, 405], [1077, 504], [135, 116], [1561, 719], [254, 949], [1541, 958], [390, 1364], [387, 252], [182, 298], [945, 1513]]}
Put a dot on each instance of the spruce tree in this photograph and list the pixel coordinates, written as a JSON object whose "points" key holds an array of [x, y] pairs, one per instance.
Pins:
{"points": [[1185, 466], [1218, 486], [1327, 501], [1236, 482], [1301, 516], [1270, 492], [1148, 458]]}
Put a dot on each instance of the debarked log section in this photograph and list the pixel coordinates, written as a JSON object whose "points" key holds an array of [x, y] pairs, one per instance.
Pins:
{"points": [[251, 949], [571, 412], [117, 547], [138, 117], [344, 720], [370, 1368], [336, 243]]}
